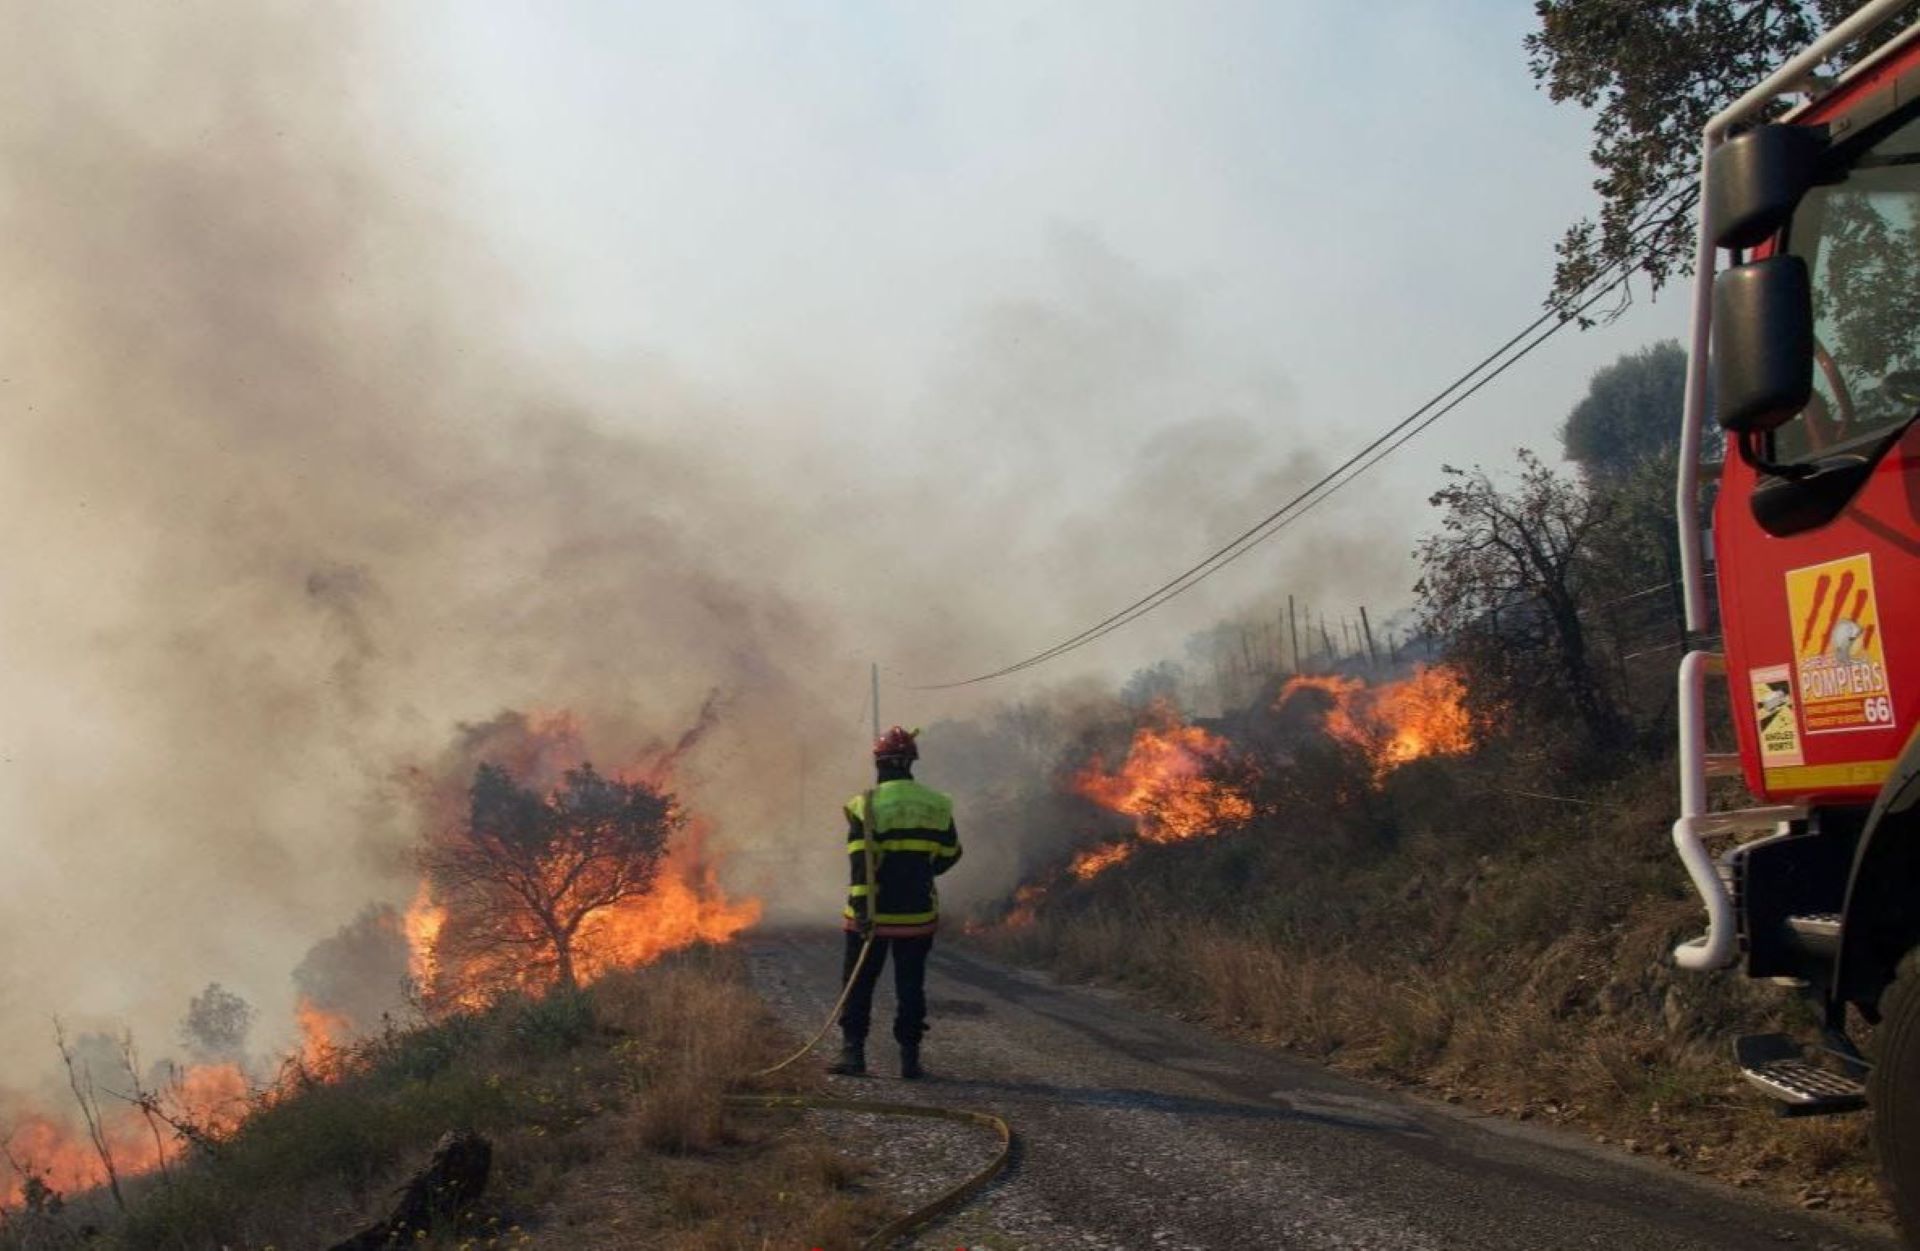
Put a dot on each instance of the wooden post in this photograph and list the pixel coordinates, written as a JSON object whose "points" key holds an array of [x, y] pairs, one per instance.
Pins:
{"points": [[1366, 628], [1327, 639], [1293, 632]]}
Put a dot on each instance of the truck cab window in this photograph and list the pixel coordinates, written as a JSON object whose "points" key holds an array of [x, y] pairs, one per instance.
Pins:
{"points": [[1860, 238]]}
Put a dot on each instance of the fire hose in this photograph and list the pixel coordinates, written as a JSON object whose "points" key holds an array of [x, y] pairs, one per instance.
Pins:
{"points": [[949, 1199]]}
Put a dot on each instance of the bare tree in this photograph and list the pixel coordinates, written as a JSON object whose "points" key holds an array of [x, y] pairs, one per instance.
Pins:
{"points": [[1507, 579], [80, 1081], [523, 871]]}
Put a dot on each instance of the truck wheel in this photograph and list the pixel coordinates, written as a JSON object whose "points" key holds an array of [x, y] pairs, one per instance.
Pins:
{"points": [[1893, 1093]]}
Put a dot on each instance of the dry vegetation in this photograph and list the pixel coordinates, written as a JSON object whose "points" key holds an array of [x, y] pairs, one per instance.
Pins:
{"points": [[1495, 949], [605, 1114]]}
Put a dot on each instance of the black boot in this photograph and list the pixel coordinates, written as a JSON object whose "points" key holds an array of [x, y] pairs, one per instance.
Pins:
{"points": [[852, 1061], [910, 1062]]}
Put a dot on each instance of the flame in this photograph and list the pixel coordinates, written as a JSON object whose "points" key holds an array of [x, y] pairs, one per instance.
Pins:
{"points": [[1166, 783], [1026, 906], [1424, 714], [323, 1038], [212, 1097], [421, 924], [1099, 859], [684, 905]]}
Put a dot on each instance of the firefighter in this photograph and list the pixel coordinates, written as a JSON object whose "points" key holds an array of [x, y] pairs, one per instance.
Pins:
{"points": [[913, 842]]}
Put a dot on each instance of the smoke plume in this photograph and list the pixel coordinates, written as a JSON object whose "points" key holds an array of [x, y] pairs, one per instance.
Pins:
{"points": [[286, 506]]}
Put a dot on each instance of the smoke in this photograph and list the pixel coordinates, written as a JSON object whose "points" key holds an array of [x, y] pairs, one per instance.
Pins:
{"points": [[287, 506], [359, 973]]}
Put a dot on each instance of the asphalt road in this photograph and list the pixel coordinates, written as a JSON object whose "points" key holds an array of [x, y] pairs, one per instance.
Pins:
{"points": [[1141, 1131]]}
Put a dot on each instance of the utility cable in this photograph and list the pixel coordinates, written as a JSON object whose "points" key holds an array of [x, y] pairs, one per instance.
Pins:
{"points": [[1382, 446]]}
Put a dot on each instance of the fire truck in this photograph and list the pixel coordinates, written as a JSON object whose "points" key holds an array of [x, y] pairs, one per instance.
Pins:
{"points": [[1806, 322]]}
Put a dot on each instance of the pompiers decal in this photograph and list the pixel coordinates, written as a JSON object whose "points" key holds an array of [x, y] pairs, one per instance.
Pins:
{"points": [[1774, 716], [1840, 661]]}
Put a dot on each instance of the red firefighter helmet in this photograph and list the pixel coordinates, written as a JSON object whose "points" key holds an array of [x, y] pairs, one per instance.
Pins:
{"points": [[896, 744]]}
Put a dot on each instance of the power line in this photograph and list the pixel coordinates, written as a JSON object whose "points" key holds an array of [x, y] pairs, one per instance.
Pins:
{"points": [[1382, 446]]}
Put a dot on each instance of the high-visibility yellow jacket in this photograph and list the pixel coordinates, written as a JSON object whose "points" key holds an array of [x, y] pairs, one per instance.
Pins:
{"points": [[914, 841]]}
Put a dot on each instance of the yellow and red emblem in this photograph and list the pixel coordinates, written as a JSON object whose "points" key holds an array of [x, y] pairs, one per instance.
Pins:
{"points": [[1840, 661]]}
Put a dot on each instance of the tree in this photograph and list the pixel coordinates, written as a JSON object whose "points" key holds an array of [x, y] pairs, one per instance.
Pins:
{"points": [[360, 972], [1507, 581], [523, 871], [1630, 415], [216, 1026], [1653, 72], [1159, 681]]}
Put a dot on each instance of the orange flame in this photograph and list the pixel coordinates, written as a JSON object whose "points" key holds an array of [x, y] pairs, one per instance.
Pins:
{"points": [[1165, 783], [685, 905], [1099, 859], [212, 1097], [1395, 722], [421, 924], [323, 1038], [1026, 906]]}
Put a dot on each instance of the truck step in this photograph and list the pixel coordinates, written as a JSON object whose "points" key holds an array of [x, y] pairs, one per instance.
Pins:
{"points": [[1776, 1065], [1817, 933]]}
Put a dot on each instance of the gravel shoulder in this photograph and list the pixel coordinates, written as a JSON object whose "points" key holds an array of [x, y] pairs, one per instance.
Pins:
{"points": [[1137, 1130]]}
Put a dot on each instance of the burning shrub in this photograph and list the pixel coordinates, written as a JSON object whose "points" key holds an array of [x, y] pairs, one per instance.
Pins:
{"points": [[1424, 714], [525, 872], [1169, 783], [545, 872]]}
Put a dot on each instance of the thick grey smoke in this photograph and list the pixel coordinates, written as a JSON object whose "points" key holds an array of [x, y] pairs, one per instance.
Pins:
{"points": [[284, 507]]}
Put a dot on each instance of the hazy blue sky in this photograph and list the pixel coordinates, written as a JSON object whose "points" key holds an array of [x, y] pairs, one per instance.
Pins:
{"points": [[1339, 204]]}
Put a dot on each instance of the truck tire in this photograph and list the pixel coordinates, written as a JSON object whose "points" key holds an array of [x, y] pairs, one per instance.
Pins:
{"points": [[1893, 1095]]}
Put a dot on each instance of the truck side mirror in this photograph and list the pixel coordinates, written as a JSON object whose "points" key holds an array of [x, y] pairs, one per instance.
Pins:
{"points": [[1755, 180], [1762, 343]]}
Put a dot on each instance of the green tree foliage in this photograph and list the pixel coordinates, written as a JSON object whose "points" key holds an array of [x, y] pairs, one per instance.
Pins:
{"points": [[1509, 580], [525, 870], [1624, 436], [216, 1026], [1653, 72], [1630, 416]]}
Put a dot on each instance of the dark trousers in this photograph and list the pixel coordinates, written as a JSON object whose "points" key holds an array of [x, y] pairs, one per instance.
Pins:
{"points": [[909, 987]]}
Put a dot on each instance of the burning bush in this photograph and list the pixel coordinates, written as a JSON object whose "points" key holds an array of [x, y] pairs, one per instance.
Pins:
{"points": [[553, 874], [1424, 714], [522, 875], [1169, 782]]}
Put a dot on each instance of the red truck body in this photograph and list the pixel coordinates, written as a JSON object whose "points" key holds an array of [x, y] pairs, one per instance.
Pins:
{"points": [[1829, 619]]}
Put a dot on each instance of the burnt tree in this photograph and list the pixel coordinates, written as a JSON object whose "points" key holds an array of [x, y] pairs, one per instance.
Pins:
{"points": [[522, 873]]}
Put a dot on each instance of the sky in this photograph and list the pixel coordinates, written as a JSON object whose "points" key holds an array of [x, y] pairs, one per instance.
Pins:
{"points": [[366, 373], [1339, 207]]}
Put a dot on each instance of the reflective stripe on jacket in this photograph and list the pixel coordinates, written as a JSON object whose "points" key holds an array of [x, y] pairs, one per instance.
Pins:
{"points": [[914, 842]]}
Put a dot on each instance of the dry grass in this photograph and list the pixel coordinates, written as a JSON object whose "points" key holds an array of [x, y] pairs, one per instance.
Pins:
{"points": [[1506, 956], [607, 1122]]}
